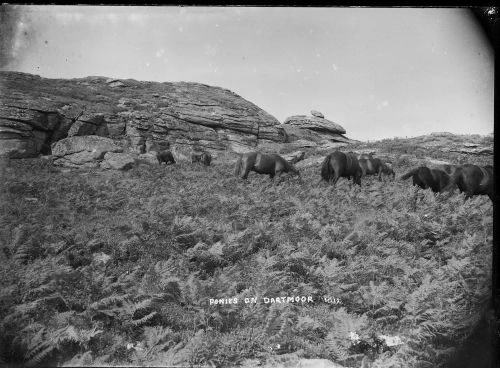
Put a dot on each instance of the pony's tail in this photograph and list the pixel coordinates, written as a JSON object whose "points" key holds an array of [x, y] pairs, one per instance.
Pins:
{"points": [[409, 174], [325, 168], [238, 167]]}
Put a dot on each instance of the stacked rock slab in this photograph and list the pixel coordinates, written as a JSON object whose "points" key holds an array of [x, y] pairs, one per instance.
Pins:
{"points": [[314, 128]]}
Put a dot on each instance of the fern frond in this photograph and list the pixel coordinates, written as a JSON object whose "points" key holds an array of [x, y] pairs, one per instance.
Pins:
{"points": [[141, 321]]}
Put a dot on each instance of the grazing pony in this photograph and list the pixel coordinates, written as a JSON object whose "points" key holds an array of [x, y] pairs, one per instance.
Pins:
{"points": [[426, 178], [204, 157], [375, 167], [473, 180], [165, 156], [267, 164], [365, 156], [339, 164]]}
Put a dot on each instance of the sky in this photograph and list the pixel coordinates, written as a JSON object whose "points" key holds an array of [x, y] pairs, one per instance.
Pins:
{"points": [[378, 72]]}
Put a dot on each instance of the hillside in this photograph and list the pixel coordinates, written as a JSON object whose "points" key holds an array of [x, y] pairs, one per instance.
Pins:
{"points": [[123, 267]]}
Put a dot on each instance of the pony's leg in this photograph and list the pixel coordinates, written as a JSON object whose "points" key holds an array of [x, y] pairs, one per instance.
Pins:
{"points": [[278, 174], [335, 179], [357, 179], [245, 173]]}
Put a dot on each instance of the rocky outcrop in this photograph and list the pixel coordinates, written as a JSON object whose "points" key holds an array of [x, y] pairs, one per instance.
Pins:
{"points": [[480, 151], [82, 151], [471, 144], [37, 112], [314, 128], [314, 123]]}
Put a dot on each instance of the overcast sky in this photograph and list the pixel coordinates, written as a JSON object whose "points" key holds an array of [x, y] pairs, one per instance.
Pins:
{"points": [[378, 72]]}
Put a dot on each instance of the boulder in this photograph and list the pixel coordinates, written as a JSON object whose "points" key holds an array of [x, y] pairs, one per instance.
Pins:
{"points": [[82, 151], [296, 132], [294, 157], [137, 139], [317, 114], [148, 157], [118, 161], [314, 123]]}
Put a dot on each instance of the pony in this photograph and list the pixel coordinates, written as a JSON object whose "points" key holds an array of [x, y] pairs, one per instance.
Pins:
{"points": [[165, 156], [473, 180], [267, 164], [204, 157], [375, 167], [366, 156], [339, 164], [426, 178]]}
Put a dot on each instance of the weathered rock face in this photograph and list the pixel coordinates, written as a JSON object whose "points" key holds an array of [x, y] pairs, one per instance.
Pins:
{"points": [[36, 112], [82, 151], [93, 124], [27, 129]]}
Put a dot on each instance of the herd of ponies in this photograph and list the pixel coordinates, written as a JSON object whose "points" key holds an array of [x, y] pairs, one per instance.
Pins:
{"points": [[469, 179]]}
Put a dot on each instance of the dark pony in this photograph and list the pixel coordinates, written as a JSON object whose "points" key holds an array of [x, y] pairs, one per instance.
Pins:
{"points": [[267, 164], [375, 166], [165, 156], [473, 180], [204, 157], [426, 178], [339, 164]]}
